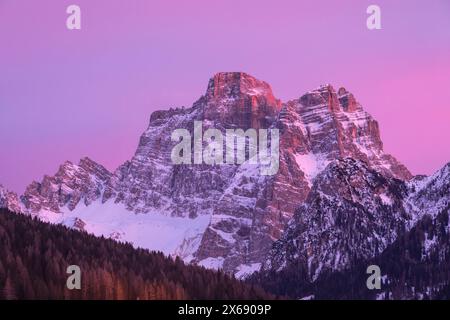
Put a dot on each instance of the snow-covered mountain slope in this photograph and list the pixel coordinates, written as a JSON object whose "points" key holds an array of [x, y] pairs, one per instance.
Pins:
{"points": [[153, 230], [414, 266], [10, 200], [70, 186], [429, 195], [244, 212], [352, 212]]}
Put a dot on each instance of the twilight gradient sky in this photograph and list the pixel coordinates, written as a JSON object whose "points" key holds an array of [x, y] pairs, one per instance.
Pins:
{"points": [[68, 94]]}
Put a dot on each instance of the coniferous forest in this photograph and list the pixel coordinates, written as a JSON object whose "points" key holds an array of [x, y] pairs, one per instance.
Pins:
{"points": [[34, 257], [411, 269]]}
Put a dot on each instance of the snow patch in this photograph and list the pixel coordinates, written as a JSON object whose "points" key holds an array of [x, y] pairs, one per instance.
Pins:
{"points": [[311, 164], [385, 199], [151, 231], [245, 270], [212, 263], [429, 244]]}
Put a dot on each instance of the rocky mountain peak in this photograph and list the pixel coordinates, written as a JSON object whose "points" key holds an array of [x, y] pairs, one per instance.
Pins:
{"points": [[67, 187], [337, 126], [232, 213], [94, 169], [323, 96], [347, 100], [233, 84], [429, 195], [334, 101], [352, 212], [237, 99], [9, 200]]}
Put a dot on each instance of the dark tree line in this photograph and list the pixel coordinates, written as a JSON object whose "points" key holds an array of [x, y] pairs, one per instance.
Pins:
{"points": [[34, 257], [413, 272]]}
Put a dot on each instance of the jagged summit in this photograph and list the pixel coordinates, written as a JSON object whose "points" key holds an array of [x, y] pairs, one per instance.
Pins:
{"points": [[70, 185], [9, 200], [232, 84]]}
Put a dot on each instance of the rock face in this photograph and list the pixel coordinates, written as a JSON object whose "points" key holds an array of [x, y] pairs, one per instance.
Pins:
{"points": [[317, 128], [355, 217], [352, 212], [70, 185], [247, 211], [429, 195], [9, 200], [336, 126]]}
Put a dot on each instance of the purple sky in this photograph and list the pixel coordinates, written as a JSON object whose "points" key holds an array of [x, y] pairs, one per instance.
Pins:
{"points": [[68, 94]]}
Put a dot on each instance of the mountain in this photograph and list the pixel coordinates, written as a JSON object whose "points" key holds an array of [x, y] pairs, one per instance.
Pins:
{"points": [[35, 256], [352, 212], [9, 200], [232, 217], [71, 185], [355, 217], [429, 195]]}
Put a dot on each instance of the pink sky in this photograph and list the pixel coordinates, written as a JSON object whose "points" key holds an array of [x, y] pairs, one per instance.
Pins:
{"points": [[68, 94]]}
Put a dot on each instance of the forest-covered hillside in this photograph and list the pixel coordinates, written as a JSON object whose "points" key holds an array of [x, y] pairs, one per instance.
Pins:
{"points": [[415, 266], [34, 257]]}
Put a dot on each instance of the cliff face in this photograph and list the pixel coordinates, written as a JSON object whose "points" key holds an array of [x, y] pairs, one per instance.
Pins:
{"points": [[351, 213], [9, 200]]}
